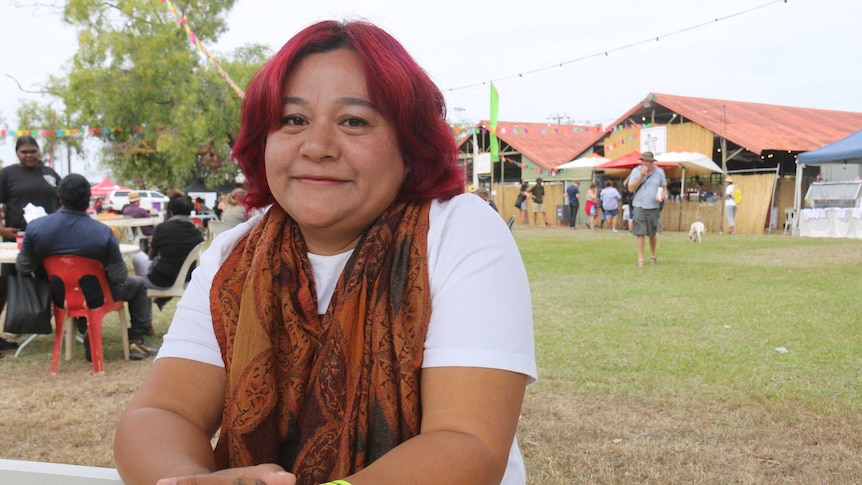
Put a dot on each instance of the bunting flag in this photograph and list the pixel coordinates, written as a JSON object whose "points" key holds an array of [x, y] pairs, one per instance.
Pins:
{"points": [[196, 43], [495, 106], [66, 132]]}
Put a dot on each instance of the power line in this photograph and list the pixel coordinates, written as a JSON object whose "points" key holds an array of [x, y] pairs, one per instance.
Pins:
{"points": [[616, 49]]}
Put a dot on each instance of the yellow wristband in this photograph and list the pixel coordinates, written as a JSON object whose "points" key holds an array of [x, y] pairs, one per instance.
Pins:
{"points": [[337, 482]]}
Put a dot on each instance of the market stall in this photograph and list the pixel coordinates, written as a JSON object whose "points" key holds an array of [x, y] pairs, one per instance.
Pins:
{"points": [[832, 209]]}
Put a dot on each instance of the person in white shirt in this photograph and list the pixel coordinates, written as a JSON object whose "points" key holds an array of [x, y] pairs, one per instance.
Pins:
{"points": [[730, 205], [372, 324]]}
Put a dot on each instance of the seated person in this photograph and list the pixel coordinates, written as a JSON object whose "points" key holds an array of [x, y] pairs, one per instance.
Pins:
{"points": [[485, 195], [135, 210], [172, 241], [72, 231], [234, 212], [201, 208], [701, 193]]}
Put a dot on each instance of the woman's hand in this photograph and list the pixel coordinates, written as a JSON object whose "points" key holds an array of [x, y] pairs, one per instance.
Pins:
{"points": [[266, 474]]}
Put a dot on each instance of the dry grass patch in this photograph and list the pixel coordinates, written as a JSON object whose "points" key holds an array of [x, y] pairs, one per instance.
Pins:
{"points": [[591, 438], [656, 375], [70, 417]]}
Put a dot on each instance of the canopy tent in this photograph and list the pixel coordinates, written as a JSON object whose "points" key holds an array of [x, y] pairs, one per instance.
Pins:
{"points": [[847, 150], [585, 166], [105, 187], [590, 161], [621, 165], [626, 162], [692, 162]]}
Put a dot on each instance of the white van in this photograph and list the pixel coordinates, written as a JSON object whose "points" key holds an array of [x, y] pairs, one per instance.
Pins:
{"points": [[150, 200]]}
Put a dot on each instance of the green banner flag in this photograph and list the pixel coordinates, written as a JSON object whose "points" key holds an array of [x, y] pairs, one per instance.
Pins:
{"points": [[495, 143]]}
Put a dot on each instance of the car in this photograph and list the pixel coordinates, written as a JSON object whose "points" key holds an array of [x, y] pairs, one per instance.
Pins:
{"points": [[150, 199]]}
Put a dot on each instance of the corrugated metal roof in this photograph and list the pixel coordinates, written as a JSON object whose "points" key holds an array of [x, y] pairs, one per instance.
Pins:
{"points": [[757, 127], [545, 144]]}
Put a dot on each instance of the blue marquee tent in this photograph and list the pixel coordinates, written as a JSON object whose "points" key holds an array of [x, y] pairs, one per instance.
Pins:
{"points": [[847, 150]]}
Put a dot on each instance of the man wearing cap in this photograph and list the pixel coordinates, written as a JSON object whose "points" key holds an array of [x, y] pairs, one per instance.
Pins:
{"points": [[537, 193], [649, 185], [135, 210]]}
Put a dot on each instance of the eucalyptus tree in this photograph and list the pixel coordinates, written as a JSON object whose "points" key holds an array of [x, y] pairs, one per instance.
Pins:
{"points": [[164, 113]]}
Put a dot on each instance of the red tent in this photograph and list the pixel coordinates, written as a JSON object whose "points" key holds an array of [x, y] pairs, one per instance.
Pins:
{"points": [[105, 187], [628, 162]]}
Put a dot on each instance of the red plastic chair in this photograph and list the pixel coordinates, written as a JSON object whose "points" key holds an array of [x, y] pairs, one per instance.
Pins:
{"points": [[76, 272]]}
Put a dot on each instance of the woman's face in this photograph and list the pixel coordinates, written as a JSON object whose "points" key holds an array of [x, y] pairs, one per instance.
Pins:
{"points": [[334, 163], [28, 155]]}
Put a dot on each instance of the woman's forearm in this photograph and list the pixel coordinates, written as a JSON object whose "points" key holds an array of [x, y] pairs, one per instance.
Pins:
{"points": [[151, 444], [439, 457], [166, 429], [465, 439]]}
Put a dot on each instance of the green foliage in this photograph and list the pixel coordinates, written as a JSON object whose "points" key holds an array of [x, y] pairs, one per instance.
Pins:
{"points": [[31, 113], [135, 67], [709, 321]]}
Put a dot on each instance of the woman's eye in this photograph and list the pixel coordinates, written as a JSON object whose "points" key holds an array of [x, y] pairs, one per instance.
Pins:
{"points": [[355, 122], [292, 120]]}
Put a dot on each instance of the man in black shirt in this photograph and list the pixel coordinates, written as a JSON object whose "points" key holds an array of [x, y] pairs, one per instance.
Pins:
{"points": [[172, 241]]}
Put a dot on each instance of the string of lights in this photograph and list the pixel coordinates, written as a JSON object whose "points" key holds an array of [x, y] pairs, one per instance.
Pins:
{"points": [[608, 52]]}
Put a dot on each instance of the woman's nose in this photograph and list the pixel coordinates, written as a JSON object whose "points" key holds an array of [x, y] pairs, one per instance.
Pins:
{"points": [[320, 142]]}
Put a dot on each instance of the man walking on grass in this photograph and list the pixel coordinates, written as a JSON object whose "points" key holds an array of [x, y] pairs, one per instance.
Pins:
{"points": [[649, 185]]}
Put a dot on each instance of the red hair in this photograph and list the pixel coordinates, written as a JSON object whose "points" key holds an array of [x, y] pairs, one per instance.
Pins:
{"points": [[400, 89]]}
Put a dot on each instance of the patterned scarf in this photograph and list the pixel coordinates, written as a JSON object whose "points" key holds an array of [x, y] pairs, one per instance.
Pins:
{"points": [[322, 395]]}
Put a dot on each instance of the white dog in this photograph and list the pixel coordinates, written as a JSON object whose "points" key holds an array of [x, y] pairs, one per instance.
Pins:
{"points": [[695, 232]]}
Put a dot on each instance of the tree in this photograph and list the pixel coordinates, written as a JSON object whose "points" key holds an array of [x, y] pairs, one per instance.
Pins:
{"points": [[160, 111], [57, 141]]}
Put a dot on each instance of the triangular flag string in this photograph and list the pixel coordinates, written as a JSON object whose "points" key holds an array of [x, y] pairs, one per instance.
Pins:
{"points": [[194, 41], [66, 132]]}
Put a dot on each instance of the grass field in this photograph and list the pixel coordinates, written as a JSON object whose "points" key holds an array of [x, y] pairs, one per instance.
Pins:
{"points": [[735, 361], [738, 360]]}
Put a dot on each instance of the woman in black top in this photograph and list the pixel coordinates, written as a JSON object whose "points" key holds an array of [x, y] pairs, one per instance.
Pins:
{"points": [[28, 182]]}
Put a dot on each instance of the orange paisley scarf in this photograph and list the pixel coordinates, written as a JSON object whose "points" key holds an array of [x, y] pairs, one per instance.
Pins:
{"points": [[322, 395]]}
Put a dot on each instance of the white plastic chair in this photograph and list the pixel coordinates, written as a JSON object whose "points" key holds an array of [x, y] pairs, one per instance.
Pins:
{"points": [[179, 285], [217, 227], [789, 220]]}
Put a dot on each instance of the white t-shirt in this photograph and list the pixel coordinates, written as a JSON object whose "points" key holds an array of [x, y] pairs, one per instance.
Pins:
{"points": [[480, 298], [728, 196]]}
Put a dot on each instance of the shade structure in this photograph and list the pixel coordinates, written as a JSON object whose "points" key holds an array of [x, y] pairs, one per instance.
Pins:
{"points": [[845, 150], [590, 161], [105, 187], [692, 163], [627, 162]]}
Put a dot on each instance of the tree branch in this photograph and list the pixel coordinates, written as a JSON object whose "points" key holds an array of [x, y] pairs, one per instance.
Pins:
{"points": [[25, 90]]}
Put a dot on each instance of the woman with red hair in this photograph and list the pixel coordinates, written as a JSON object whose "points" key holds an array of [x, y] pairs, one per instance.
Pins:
{"points": [[370, 324]]}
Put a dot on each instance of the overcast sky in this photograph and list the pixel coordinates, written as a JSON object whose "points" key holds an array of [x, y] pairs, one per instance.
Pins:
{"points": [[799, 53]]}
